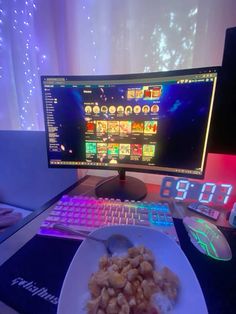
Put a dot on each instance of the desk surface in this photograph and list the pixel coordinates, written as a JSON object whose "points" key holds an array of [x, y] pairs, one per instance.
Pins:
{"points": [[17, 240]]}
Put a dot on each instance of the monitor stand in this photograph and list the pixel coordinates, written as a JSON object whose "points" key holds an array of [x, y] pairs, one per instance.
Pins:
{"points": [[121, 187]]}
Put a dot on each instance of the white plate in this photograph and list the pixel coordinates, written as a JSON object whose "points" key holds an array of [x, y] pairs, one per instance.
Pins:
{"points": [[166, 252]]}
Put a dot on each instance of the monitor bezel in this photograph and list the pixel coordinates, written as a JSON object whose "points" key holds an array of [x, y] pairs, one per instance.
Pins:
{"points": [[145, 75]]}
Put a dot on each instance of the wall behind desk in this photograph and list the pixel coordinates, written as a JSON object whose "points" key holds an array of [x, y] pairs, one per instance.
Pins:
{"points": [[25, 179]]}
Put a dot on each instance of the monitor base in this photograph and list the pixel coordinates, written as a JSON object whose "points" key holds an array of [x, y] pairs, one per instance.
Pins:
{"points": [[121, 187]]}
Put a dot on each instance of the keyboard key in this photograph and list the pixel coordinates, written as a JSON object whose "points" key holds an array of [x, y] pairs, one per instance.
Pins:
{"points": [[142, 223], [53, 218], [89, 222], [108, 219], [55, 213], [130, 221], [143, 216], [47, 225], [129, 215], [122, 221], [63, 220], [83, 222], [142, 211], [116, 220], [97, 224], [136, 216]]}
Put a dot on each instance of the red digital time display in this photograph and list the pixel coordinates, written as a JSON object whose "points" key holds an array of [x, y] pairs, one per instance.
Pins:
{"points": [[184, 189]]}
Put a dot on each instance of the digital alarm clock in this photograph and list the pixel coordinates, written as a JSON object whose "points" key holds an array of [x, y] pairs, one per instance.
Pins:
{"points": [[184, 189]]}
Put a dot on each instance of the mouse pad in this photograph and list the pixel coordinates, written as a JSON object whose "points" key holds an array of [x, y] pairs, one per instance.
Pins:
{"points": [[31, 279]]}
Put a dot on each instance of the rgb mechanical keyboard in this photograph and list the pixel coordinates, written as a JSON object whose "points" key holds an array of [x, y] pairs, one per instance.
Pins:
{"points": [[87, 214]]}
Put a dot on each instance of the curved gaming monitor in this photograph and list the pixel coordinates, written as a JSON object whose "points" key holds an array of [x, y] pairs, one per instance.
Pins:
{"points": [[147, 122]]}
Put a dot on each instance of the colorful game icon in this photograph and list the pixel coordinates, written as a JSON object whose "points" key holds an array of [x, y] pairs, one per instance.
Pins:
{"points": [[104, 109], [96, 109], [148, 150], [137, 126], [155, 108], [101, 126], [130, 93], [88, 109], [112, 109], [128, 110], [102, 149], [125, 149], [120, 110], [91, 148], [156, 91], [90, 127], [125, 127], [136, 149], [138, 93], [113, 127], [145, 109], [147, 93], [150, 127], [137, 109], [113, 149]]}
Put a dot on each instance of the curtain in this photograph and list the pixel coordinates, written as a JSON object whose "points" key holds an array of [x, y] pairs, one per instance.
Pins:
{"points": [[78, 37]]}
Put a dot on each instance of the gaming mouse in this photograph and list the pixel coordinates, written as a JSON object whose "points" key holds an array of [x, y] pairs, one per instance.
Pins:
{"points": [[207, 238]]}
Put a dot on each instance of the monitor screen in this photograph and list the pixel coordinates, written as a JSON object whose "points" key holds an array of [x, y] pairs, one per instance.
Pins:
{"points": [[148, 122]]}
